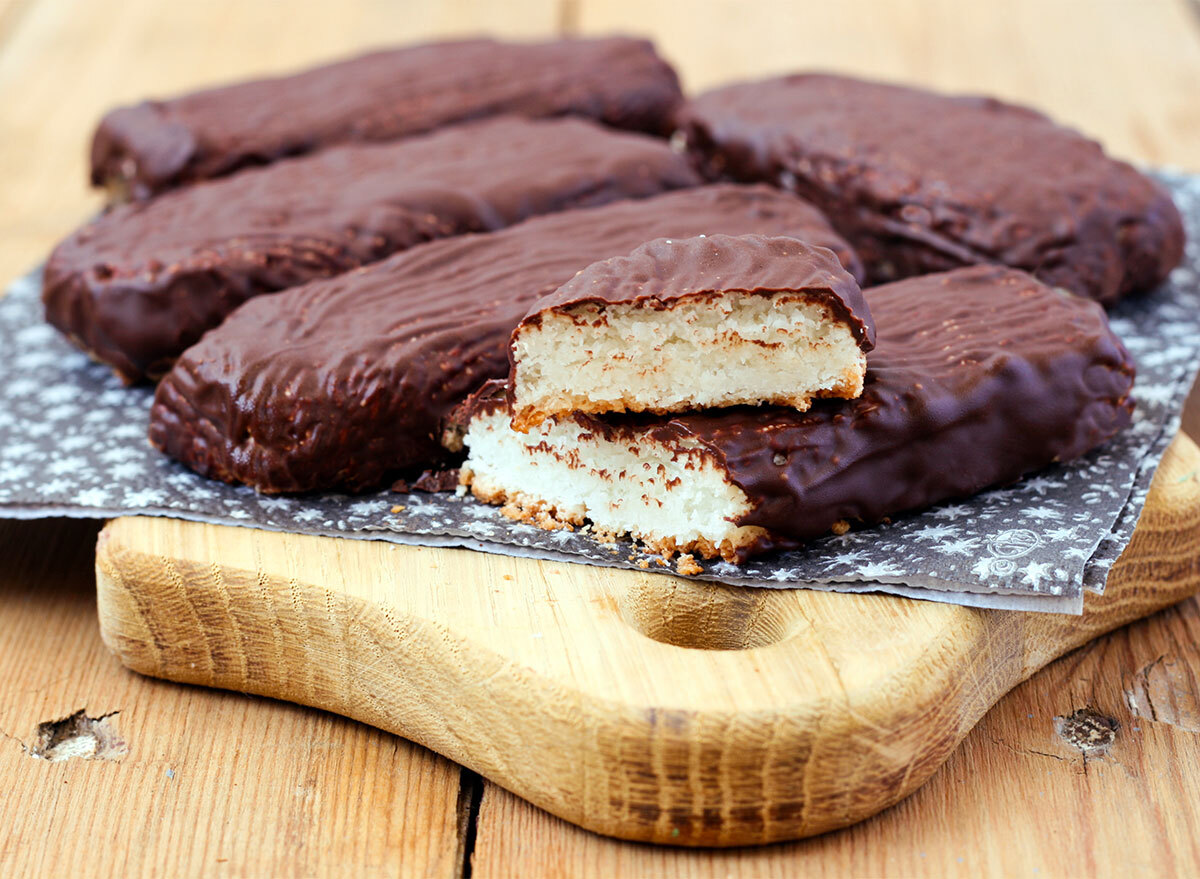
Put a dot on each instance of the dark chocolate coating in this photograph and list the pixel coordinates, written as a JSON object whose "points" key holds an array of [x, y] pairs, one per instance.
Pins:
{"points": [[979, 376], [143, 282], [665, 270], [920, 182], [340, 383], [385, 95]]}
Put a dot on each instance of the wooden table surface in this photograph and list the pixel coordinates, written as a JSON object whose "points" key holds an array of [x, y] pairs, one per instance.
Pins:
{"points": [[219, 784]]}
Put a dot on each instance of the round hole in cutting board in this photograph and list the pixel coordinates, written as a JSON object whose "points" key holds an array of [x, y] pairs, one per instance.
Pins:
{"points": [[706, 616]]}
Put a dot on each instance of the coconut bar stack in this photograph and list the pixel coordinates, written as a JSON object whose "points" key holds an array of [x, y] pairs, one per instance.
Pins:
{"points": [[705, 433], [703, 398]]}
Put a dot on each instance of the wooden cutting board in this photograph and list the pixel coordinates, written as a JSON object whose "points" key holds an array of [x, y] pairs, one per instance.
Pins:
{"points": [[639, 705]]}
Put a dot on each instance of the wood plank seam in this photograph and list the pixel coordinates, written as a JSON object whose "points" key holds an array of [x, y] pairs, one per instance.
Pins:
{"points": [[470, 798]]}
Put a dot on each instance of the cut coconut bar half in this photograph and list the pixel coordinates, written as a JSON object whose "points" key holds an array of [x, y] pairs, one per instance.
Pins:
{"points": [[668, 490], [682, 324]]}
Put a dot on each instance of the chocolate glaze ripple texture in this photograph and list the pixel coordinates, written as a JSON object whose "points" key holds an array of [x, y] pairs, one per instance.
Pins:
{"points": [[921, 182]]}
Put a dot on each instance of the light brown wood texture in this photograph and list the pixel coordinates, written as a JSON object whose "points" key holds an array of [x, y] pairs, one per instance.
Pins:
{"points": [[1124, 71], [637, 705], [213, 783]]}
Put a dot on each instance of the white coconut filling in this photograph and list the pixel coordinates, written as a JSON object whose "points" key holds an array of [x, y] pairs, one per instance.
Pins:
{"points": [[704, 351], [669, 496]]}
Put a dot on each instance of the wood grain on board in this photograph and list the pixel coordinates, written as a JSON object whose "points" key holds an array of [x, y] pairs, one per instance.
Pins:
{"points": [[1123, 71]]}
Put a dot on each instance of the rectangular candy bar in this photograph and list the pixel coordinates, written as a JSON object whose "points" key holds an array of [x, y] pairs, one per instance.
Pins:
{"points": [[144, 281], [149, 147], [920, 182], [979, 376], [692, 323], [343, 383]]}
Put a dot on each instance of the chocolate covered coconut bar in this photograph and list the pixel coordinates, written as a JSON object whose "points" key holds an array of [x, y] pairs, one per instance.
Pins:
{"points": [[921, 182], [146, 148], [345, 382]]}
